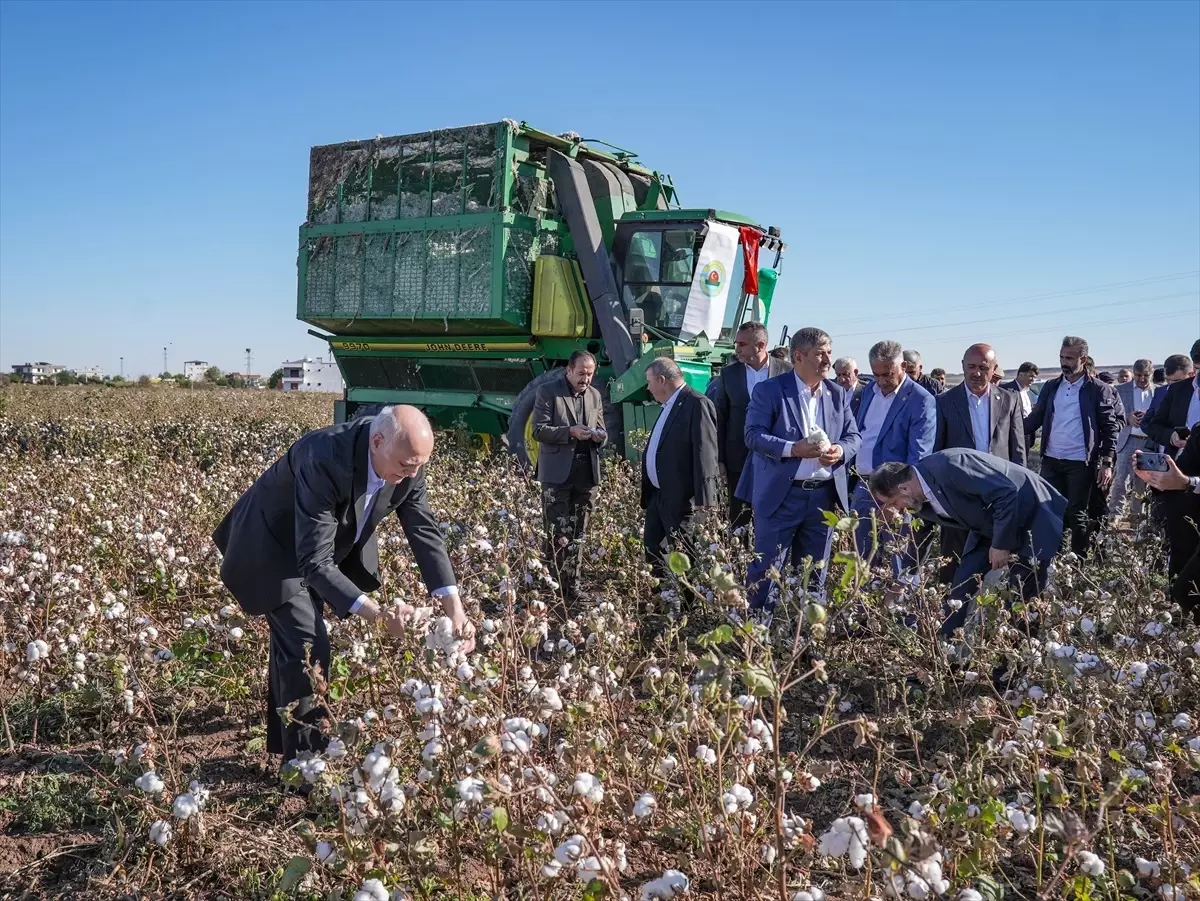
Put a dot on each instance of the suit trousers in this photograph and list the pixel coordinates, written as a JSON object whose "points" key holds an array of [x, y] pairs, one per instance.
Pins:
{"points": [[1073, 479], [1123, 474], [953, 542], [740, 515], [294, 624], [566, 508], [657, 537], [1027, 577], [1185, 586], [795, 531]]}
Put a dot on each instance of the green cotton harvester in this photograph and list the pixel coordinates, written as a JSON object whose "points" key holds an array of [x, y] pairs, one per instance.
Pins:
{"points": [[457, 270]]}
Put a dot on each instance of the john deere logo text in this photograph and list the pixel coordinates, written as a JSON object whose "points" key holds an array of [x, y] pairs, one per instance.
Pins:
{"points": [[712, 278]]}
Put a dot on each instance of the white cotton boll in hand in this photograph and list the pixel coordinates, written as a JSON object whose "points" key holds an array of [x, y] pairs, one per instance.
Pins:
{"points": [[666, 886], [817, 436], [372, 890], [160, 832], [149, 783], [1090, 864], [644, 806]]}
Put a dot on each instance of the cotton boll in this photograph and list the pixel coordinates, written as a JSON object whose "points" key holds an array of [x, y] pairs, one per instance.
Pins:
{"points": [[668, 885], [149, 783], [644, 806], [372, 890], [589, 787], [1090, 864], [160, 832], [185, 806], [847, 837], [325, 852]]}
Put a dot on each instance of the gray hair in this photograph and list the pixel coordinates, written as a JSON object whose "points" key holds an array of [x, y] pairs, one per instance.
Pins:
{"points": [[912, 356], [1143, 365], [665, 368], [806, 339], [1072, 341], [887, 477], [386, 423], [886, 352], [845, 361]]}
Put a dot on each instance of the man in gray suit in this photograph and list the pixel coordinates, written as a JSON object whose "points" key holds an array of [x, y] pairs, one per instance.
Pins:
{"points": [[568, 423], [1007, 510], [978, 414], [1135, 396], [302, 538], [731, 396]]}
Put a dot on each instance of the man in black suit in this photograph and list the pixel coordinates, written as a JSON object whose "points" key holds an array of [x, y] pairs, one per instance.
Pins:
{"points": [[1181, 482], [568, 423], [845, 373], [977, 414], [679, 468], [916, 371], [1079, 419], [302, 538], [1178, 409], [731, 397]]}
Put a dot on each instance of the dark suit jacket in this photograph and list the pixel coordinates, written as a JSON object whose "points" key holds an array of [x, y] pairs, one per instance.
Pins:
{"points": [[955, 429], [686, 462], [930, 384], [1012, 385], [553, 416], [1170, 413], [294, 527], [997, 501], [1101, 421], [731, 399], [856, 397]]}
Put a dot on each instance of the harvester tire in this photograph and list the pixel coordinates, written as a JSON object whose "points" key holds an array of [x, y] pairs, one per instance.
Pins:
{"points": [[518, 421]]}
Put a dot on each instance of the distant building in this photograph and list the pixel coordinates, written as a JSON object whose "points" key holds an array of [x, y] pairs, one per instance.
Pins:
{"points": [[193, 370], [312, 375], [37, 372], [91, 373]]}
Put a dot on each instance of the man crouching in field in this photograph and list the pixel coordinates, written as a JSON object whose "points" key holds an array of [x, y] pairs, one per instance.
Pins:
{"points": [[303, 537]]}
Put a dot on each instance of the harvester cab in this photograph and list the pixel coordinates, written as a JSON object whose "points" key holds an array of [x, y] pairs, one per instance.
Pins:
{"points": [[458, 270]]}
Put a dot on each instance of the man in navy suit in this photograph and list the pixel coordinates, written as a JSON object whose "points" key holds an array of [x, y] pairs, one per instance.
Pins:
{"points": [[800, 433], [1079, 419], [897, 422]]}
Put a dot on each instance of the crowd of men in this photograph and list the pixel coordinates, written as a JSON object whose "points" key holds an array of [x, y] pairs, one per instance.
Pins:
{"points": [[985, 475]]}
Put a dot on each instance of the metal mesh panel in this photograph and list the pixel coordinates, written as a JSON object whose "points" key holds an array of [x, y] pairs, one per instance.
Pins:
{"points": [[531, 196], [502, 378], [347, 300], [410, 273], [518, 277], [415, 167], [354, 188], [441, 275], [402, 374], [364, 372], [448, 378], [318, 287], [475, 272], [378, 276], [385, 184], [482, 163], [449, 178]]}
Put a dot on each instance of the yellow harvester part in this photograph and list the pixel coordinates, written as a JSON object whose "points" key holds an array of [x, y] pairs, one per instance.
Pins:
{"points": [[560, 307]]}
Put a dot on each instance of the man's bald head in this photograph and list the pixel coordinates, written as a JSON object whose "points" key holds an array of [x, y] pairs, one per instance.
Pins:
{"points": [[979, 365], [401, 442]]}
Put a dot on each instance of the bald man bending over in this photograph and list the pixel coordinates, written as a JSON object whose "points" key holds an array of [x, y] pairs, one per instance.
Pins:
{"points": [[302, 538]]}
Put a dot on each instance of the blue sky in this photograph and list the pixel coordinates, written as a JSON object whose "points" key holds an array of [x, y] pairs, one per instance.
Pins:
{"points": [[942, 172]]}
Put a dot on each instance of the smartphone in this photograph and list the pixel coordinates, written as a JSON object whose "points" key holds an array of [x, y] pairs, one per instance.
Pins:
{"points": [[1152, 462], [1183, 432]]}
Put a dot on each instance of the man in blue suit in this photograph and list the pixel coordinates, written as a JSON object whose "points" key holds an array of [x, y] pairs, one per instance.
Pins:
{"points": [[1014, 516], [800, 432], [897, 422]]}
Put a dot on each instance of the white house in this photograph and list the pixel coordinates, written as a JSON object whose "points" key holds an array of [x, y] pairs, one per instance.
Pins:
{"points": [[37, 372], [312, 374], [91, 373], [193, 370]]}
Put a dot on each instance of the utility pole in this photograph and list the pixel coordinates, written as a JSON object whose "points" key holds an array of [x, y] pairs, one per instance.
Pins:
{"points": [[247, 364], [164, 359], [122, 367]]}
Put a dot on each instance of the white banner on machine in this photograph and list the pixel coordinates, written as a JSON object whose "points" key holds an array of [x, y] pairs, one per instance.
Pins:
{"points": [[706, 301]]}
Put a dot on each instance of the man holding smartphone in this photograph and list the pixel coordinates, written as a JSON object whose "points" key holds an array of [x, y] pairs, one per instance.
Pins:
{"points": [[1181, 482], [568, 423]]}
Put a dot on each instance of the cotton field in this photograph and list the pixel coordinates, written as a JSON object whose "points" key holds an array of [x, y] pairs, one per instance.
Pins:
{"points": [[628, 747]]}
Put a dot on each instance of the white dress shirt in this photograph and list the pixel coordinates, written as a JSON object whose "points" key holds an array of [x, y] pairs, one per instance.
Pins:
{"points": [[1193, 414], [1026, 402], [931, 497], [755, 377], [877, 411], [812, 415], [1066, 432], [980, 409], [374, 483], [655, 435], [1141, 402]]}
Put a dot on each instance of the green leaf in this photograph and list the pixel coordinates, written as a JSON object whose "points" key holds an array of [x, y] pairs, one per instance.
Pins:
{"points": [[500, 818], [678, 563], [831, 518], [717, 636], [989, 888], [1116, 755], [845, 524], [759, 681], [594, 890], [295, 871], [992, 812]]}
